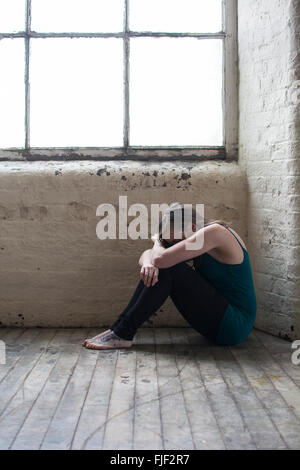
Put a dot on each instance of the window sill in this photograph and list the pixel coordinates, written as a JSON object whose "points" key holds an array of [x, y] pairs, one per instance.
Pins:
{"points": [[111, 154]]}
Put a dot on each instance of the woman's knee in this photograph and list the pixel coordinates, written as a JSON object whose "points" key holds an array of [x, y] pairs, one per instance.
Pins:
{"points": [[177, 271], [164, 273], [164, 277], [179, 267]]}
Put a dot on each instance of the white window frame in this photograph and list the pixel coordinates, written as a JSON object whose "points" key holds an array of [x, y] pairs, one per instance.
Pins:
{"points": [[228, 151]]}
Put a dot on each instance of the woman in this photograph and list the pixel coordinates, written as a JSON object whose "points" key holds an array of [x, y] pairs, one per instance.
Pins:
{"points": [[215, 295]]}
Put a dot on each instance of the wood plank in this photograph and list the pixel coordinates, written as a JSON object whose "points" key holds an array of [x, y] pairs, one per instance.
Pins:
{"points": [[263, 431], [204, 426], [258, 379], [147, 420], [62, 426], [175, 424], [9, 335], [17, 376], [32, 431], [16, 345], [39, 419], [18, 390], [283, 418], [89, 433], [287, 388], [284, 360], [23, 402], [36, 423], [91, 426], [232, 425], [119, 422], [272, 343]]}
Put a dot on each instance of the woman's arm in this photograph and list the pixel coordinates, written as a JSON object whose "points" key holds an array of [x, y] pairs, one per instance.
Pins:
{"points": [[157, 250], [148, 272], [145, 257], [204, 239]]}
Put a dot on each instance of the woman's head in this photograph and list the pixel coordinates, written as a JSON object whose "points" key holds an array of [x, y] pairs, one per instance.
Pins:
{"points": [[179, 221]]}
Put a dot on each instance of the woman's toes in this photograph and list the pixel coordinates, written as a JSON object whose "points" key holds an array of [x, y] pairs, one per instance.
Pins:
{"points": [[106, 340], [96, 338]]}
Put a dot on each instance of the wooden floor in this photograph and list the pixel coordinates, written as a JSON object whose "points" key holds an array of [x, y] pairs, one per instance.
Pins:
{"points": [[171, 390]]}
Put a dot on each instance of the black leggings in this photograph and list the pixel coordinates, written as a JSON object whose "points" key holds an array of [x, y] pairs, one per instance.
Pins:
{"points": [[199, 302]]}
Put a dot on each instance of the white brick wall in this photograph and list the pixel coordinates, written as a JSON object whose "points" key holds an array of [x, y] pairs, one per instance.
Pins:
{"points": [[269, 66]]}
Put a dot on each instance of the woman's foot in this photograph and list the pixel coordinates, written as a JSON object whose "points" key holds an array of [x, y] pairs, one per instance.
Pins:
{"points": [[108, 341], [95, 338]]}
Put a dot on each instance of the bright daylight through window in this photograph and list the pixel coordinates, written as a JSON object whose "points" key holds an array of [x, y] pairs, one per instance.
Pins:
{"points": [[114, 74]]}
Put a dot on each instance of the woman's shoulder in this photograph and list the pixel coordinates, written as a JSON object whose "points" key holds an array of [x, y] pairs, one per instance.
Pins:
{"points": [[238, 237], [229, 249], [228, 232]]}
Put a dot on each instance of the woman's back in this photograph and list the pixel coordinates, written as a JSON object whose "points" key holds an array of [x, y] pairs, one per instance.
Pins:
{"points": [[234, 281]]}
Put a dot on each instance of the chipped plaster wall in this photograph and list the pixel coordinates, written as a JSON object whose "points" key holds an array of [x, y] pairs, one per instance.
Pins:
{"points": [[269, 66], [54, 271]]}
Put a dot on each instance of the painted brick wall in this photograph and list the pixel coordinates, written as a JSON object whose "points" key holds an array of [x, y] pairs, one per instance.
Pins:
{"points": [[269, 91]]}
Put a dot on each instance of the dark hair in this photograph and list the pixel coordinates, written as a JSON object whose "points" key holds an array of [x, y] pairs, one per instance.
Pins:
{"points": [[169, 217]]}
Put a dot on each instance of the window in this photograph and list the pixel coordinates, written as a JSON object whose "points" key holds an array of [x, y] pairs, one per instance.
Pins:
{"points": [[118, 79]]}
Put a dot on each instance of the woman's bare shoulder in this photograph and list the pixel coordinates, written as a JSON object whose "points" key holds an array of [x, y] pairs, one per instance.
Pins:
{"points": [[225, 231], [238, 237], [227, 251]]}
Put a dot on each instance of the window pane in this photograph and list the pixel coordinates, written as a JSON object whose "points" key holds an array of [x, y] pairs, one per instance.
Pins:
{"points": [[176, 15], [12, 93], [12, 16], [76, 92], [175, 91], [77, 15]]}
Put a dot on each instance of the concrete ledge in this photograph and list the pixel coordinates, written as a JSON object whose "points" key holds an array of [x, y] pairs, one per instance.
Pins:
{"points": [[55, 271]]}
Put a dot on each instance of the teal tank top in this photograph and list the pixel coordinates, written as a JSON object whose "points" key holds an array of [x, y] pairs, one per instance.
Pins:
{"points": [[235, 282]]}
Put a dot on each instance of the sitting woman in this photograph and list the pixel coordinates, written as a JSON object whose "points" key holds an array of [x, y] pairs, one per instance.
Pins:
{"points": [[215, 294]]}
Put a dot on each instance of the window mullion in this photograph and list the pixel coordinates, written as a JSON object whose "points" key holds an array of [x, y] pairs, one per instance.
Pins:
{"points": [[126, 76], [230, 77], [27, 89]]}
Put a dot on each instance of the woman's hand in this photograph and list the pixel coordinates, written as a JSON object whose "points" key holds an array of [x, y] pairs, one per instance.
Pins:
{"points": [[149, 274]]}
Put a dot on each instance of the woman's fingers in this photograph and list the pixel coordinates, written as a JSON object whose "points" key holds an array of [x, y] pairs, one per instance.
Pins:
{"points": [[149, 274], [152, 276], [144, 274], [155, 277]]}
